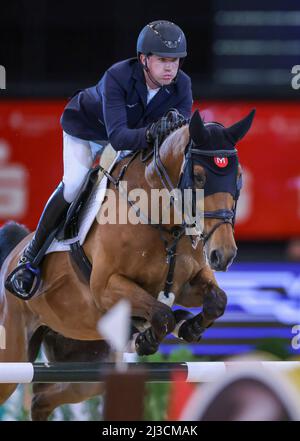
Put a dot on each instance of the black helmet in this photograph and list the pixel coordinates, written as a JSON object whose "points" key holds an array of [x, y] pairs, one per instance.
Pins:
{"points": [[162, 38]]}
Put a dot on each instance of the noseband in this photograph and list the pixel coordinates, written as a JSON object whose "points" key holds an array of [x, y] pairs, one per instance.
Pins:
{"points": [[225, 216]]}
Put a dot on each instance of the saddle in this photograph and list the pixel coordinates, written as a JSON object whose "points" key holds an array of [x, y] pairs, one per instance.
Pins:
{"points": [[70, 226], [66, 231]]}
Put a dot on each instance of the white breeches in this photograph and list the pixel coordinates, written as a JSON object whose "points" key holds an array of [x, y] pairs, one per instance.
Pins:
{"points": [[79, 156]]}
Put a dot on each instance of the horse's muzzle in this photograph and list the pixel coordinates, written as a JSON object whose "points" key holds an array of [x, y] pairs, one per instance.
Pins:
{"points": [[221, 259]]}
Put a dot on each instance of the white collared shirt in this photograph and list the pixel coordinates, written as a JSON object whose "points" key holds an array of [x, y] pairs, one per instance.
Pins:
{"points": [[151, 93]]}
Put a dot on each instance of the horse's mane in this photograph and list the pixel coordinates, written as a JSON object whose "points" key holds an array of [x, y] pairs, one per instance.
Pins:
{"points": [[176, 142]]}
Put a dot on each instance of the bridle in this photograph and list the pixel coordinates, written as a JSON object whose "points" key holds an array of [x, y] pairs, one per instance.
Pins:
{"points": [[225, 216]]}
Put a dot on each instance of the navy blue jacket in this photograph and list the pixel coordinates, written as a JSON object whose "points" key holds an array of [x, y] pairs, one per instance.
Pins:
{"points": [[116, 108]]}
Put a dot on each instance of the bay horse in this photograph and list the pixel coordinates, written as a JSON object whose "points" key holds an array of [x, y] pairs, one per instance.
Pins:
{"points": [[129, 261]]}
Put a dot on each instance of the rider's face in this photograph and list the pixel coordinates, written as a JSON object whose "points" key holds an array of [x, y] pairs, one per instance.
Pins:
{"points": [[162, 69]]}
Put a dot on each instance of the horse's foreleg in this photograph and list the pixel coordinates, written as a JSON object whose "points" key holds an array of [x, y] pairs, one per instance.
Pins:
{"points": [[202, 291], [159, 315]]}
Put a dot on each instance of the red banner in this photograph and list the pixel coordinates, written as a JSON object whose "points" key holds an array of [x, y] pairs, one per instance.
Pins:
{"points": [[269, 207], [30, 158]]}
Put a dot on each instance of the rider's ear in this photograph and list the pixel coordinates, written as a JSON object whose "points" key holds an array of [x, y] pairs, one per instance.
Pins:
{"points": [[238, 130], [197, 129]]}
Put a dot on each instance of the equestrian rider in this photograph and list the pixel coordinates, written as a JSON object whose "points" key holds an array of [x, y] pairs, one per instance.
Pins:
{"points": [[122, 109]]}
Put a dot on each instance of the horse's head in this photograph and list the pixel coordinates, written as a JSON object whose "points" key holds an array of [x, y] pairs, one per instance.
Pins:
{"points": [[215, 168], [203, 156]]}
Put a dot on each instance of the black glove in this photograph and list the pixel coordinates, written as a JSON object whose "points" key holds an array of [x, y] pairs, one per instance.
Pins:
{"points": [[161, 128], [154, 130], [158, 130]]}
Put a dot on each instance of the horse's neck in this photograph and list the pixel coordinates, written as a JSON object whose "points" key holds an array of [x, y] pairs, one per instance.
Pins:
{"points": [[135, 176]]}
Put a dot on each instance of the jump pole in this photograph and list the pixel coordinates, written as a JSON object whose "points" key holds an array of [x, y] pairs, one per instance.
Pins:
{"points": [[199, 372]]}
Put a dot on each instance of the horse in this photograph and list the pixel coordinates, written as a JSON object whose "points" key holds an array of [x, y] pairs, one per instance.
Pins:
{"points": [[132, 261]]}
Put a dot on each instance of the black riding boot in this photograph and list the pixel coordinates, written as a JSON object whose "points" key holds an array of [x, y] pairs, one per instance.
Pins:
{"points": [[20, 281]]}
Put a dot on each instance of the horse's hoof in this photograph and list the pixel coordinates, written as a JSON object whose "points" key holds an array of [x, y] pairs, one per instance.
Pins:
{"points": [[146, 343], [191, 331]]}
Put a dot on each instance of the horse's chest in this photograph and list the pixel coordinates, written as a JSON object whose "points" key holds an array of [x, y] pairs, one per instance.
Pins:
{"points": [[151, 269]]}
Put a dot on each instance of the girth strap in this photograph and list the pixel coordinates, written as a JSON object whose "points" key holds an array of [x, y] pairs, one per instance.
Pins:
{"points": [[177, 233]]}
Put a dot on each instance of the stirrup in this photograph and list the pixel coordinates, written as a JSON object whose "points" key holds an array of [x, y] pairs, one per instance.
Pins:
{"points": [[13, 287]]}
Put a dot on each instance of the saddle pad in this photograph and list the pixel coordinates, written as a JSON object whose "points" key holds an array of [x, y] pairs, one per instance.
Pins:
{"points": [[87, 216]]}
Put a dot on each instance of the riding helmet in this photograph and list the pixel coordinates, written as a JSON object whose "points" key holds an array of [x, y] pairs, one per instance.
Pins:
{"points": [[162, 38]]}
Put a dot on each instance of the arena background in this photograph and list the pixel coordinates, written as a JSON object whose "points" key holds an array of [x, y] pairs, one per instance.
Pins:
{"points": [[240, 55]]}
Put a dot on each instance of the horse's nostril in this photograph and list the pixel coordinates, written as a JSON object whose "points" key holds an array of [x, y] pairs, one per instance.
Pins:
{"points": [[215, 258]]}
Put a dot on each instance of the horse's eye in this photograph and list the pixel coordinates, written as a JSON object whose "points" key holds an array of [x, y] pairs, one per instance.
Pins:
{"points": [[200, 180]]}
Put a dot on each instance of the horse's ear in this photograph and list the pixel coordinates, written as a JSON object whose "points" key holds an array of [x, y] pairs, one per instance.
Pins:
{"points": [[238, 130], [197, 129]]}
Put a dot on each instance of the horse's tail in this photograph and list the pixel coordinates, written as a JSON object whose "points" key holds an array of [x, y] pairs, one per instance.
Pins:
{"points": [[10, 235]]}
